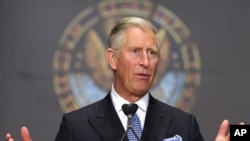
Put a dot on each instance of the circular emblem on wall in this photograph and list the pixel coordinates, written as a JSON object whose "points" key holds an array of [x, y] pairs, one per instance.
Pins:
{"points": [[82, 76]]}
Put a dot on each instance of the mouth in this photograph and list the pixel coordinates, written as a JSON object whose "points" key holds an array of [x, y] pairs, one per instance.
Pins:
{"points": [[143, 75]]}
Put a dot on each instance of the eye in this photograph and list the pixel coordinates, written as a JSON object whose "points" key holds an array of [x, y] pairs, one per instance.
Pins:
{"points": [[135, 51], [152, 53]]}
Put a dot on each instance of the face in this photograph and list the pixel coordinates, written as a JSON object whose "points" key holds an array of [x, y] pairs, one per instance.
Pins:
{"points": [[135, 66]]}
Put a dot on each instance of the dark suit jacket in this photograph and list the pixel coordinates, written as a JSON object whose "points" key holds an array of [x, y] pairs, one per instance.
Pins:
{"points": [[100, 122]]}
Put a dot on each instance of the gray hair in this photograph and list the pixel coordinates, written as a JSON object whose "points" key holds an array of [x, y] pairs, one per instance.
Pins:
{"points": [[117, 34]]}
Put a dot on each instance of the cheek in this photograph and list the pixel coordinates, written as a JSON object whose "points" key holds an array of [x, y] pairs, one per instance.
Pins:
{"points": [[127, 63], [125, 73], [154, 66], [128, 68]]}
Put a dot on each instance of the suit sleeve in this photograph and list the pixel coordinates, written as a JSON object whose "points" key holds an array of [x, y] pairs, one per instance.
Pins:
{"points": [[64, 133], [195, 131]]}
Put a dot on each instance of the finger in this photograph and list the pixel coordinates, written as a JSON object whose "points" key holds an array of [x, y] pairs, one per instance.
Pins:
{"points": [[223, 132], [25, 134], [242, 123], [8, 137], [223, 128], [228, 137]]}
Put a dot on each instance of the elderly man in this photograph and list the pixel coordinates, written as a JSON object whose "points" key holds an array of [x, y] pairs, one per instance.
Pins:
{"points": [[133, 55]]}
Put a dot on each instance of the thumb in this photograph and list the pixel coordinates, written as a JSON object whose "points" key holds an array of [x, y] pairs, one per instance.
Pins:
{"points": [[223, 132], [25, 134]]}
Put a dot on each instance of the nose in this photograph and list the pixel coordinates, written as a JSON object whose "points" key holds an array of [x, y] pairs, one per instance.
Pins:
{"points": [[144, 60]]}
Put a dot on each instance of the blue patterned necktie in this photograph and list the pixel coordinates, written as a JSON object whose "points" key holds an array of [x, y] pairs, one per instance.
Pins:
{"points": [[136, 125]]}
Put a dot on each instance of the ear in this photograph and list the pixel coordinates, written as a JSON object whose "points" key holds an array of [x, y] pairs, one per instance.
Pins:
{"points": [[111, 58]]}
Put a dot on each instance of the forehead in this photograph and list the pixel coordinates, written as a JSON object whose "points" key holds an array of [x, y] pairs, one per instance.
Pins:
{"points": [[139, 36]]}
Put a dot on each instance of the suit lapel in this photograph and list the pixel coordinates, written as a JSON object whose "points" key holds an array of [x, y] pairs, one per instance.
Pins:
{"points": [[109, 127], [107, 123], [157, 122]]}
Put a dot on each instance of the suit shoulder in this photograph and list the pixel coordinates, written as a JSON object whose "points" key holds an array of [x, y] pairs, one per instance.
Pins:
{"points": [[88, 109], [171, 109]]}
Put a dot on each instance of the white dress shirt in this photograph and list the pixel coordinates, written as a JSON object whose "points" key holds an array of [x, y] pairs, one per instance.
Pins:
{"points": [[118, 101]]}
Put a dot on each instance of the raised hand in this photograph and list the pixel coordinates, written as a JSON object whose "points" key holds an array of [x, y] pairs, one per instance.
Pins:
{"points": [[25, 134]]}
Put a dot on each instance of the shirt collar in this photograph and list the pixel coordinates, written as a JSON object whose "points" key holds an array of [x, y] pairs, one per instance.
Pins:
{"points": [[118, 101]]}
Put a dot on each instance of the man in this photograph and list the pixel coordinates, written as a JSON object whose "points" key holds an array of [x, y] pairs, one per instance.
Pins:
{"points": [[133, 55]]}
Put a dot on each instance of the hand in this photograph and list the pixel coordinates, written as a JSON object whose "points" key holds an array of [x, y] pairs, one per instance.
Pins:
{"points": [[24, 134], [223, 134]]}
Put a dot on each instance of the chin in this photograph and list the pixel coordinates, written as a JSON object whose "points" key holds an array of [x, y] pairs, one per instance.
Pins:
{"points": [[142, 92]]}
